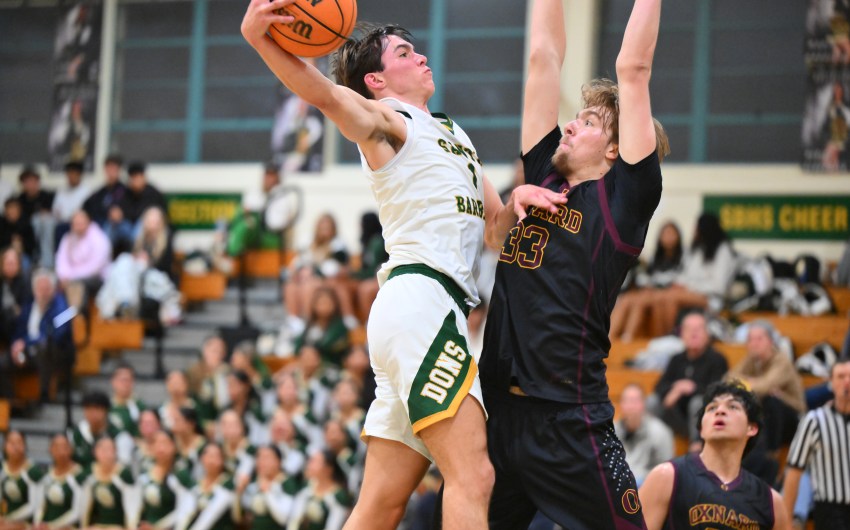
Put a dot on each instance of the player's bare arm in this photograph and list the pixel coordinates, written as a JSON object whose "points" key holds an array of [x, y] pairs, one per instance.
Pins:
{"points": [[547, 49], [790, 489], [781, 519], [655, 494], [634, 68], [377, 129]]}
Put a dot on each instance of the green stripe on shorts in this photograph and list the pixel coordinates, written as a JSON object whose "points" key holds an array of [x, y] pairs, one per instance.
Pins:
{"points": [[443, 379]]}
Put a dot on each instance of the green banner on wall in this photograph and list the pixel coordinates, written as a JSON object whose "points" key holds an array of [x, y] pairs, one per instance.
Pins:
{"points": [[200, 211], [815, 217]]}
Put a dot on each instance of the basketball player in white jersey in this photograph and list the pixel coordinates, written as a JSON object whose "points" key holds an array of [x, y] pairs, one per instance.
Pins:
{"points": [[434, 203]]}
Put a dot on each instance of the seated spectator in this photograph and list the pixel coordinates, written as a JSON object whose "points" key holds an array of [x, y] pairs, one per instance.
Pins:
{"points": [[325, 261], [678, 394], [190, 440], [20, 483], [284, 436], [42, 340], [111, 194], [646, 439], [126, 408], [245, 402], [62, 487], [109, 492], [120, 294], [325, 329], [326, 490], [708, 270], [140, 194], [6, 191], [267, 501], [315, 381], [96, 425], [771, 376], [149, 425], [153, 240], [37, 205], [15, 293], [373, 254], [244, 358], [213, 495], [70, 199], [308, 432], [15, 231], [345, 407], [357, 368], [118, 229], [632, 306], [213, 395], [165, 492], [82, 259], [177, 388], [344, 448], [239, 454]]}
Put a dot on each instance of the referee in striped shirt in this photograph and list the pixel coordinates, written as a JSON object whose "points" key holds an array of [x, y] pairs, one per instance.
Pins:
{"points": [[822, 444]]}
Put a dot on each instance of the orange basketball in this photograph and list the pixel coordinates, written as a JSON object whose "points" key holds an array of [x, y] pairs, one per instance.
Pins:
{"points": [[320, 26]]}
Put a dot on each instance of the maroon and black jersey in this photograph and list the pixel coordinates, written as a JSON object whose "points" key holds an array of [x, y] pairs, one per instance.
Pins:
{"points": [[701, 500], [558, 278]]}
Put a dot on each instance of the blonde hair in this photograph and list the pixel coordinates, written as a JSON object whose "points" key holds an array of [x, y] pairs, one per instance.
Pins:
{"points": [[154, 242], [604, 93]]}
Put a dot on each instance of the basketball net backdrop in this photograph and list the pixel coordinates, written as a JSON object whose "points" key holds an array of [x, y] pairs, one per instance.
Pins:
{"points": [[826, 118], [76, 66]]}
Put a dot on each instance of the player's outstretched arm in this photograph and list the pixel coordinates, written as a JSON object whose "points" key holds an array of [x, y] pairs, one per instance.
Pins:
{"points": [[547, 47], [634, 67], [655, 495], [358, 119]]}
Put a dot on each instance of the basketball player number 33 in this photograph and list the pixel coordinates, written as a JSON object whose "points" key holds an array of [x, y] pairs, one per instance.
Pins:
{"points": [[525, 246]]}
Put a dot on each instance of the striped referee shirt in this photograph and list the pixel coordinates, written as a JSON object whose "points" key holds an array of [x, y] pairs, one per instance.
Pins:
{"points": [[822, 443]]}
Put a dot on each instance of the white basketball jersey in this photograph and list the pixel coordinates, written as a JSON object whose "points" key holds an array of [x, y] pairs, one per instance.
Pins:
{"points": [[431, 199]]}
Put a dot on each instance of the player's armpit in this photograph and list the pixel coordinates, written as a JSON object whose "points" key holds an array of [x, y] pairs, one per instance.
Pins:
{"points": [[655, 494]]}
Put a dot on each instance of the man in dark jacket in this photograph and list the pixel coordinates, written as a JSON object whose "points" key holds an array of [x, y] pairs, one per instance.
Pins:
{"points": [[142, 195], [678, 394]]}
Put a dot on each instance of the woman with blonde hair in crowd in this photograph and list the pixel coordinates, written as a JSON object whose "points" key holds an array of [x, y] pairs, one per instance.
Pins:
{"points": [[61, 487], [213, 497], [154, 240], [20, 484], [110, 494]]}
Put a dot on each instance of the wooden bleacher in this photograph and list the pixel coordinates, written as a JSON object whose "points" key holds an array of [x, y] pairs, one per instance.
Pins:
{"points": [[202, 287], [5, 412], [841, 298], [263, 263], [805, 331]]}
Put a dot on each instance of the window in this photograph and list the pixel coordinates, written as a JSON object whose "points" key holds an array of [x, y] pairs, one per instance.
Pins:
{"points": [[728, 81], [26, 62]]}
